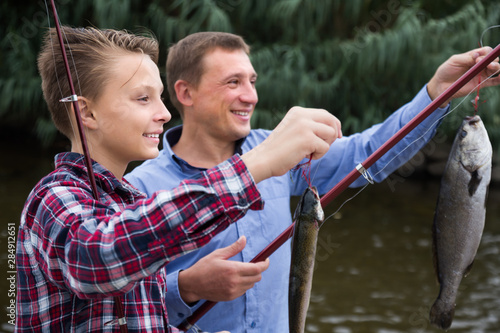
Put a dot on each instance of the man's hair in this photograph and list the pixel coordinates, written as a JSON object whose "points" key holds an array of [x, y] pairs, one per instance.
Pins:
{"points": [[91, 52], [185, 58]]}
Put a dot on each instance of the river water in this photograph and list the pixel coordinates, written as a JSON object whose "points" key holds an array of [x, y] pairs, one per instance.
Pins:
{"points": [[374, 268], [375, 273]]}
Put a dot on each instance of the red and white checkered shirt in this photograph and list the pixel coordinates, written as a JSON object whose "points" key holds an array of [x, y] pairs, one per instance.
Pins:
{"points": [[75, 254]]}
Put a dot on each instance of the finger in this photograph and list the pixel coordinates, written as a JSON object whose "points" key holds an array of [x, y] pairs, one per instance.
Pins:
{"points": [[261, 266], [478, 53], [231, 250], [490, 70], [325, 136], [482, 50], [467, 59], [249, 269], [494, 81], [339, 129], [493, 63], [321, 149], [329, 128], [323, 116], [493, 68], [471, 57]]}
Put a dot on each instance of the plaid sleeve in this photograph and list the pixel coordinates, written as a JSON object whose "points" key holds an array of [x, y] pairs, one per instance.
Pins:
{"points": [[87, 247], [208, 206]]}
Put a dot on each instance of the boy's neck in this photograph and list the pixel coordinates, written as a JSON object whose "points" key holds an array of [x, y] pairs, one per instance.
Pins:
{"points": [[116, 168]]}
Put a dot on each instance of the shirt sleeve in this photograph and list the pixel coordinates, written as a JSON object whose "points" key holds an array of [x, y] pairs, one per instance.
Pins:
{"points": [[346, 153], [178, 310], [94, 251]]}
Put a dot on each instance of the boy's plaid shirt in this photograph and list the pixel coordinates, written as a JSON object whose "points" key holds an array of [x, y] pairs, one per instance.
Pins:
{"points": [[74, 254]]}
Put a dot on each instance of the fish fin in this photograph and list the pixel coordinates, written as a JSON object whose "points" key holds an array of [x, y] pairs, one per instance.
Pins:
{"points": [[467, 270], [474, 182], [441, 314]]}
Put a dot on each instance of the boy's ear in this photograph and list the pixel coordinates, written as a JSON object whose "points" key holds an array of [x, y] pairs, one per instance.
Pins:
{"points": [[183, 92], [86, 115]]}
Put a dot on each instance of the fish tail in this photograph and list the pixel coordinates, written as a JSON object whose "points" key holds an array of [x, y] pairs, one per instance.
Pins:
{"points": [[441, 314]]}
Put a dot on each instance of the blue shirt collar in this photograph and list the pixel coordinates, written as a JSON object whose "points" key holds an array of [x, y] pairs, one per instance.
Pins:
{"points": [[171, 138]]}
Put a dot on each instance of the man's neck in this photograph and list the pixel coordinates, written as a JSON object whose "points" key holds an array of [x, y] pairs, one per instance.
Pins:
{"points": [[203, 152]]}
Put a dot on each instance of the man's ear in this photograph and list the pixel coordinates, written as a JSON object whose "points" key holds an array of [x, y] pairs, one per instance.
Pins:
{"points": [[183, 92], [86, 115]]}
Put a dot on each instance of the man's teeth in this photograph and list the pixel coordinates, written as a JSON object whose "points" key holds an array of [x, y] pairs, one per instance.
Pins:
{"points": [[151, 135], [239, 113]]}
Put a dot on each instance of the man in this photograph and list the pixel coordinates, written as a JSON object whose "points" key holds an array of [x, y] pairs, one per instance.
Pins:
{"points": [[211, 81]]}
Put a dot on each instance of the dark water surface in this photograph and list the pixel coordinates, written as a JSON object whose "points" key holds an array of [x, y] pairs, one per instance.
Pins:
{"points": [[374, 268], [375, 273]]}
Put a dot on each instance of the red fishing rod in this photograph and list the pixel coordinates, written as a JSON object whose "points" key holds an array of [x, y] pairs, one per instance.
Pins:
{"points": [[88, 163], [360, 169]]}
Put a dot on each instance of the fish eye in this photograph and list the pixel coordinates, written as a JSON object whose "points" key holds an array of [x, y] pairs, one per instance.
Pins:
{"points": [[463, 134]]}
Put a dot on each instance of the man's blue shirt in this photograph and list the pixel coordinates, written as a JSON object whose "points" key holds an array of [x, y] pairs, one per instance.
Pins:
{"points": [[264, 308]]}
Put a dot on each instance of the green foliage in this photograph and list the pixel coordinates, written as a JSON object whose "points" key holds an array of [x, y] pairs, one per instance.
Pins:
{"points": [[359, 59]]}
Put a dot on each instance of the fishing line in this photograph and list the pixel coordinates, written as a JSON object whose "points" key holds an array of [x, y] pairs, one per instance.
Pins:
{"points": [[196, 329], [365, 172], [346, 201], [368, 177], [305, 171], [475, 102], [316, 170], [438, 120], [484, 31]]}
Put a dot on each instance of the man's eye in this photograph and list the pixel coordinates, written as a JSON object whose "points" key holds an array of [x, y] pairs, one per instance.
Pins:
{"points": [[144, 99]]}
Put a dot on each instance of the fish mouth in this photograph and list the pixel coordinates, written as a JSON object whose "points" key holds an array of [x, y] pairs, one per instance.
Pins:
{"points": [[472, 120], [314, 190]]}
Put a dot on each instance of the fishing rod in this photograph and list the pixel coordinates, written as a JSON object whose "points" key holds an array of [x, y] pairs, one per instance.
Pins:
{"points": [[88, 163], [360, 169]]}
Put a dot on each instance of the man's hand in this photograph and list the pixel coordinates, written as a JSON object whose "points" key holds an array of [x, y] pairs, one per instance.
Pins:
{"points": [[453, 68], [217, 279], [302, 133]]}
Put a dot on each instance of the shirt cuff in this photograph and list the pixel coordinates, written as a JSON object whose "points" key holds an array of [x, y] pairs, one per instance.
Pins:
{"points": [[418, 104], [428, 98], [177, 309]]}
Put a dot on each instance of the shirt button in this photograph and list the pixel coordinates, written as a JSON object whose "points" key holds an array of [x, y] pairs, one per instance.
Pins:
{"points": [[242, 202], [253, 324], [181, 315]]}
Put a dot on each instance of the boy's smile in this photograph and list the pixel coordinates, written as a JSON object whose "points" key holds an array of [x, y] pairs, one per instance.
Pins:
{"points": [[128, 116]]}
